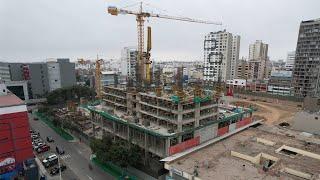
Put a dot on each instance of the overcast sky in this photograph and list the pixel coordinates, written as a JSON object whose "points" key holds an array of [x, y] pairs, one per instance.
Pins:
{"points": [[33, 30]]}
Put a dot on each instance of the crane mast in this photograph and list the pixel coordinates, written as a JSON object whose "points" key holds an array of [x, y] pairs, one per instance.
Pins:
{"points": [[143, 72]]}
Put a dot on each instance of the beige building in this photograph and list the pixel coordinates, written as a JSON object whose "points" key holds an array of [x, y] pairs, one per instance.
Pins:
{"points": [[243, 69], [258, 50], [259, 63]]}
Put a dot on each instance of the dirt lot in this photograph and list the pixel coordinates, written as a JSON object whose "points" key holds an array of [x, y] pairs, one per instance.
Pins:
{"points": [[273, 113]]}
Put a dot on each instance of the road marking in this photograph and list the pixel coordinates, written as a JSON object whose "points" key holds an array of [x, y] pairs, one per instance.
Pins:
{"points": [[79, 152], [65, 156], [89, 177]]}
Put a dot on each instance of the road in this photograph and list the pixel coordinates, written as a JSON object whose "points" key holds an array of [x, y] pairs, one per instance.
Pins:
{"points": [[76, 157]]}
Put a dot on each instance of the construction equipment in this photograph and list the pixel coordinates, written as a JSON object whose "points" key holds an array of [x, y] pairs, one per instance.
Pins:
{"points": [[81, 61], [143, 62], [98, 77]]}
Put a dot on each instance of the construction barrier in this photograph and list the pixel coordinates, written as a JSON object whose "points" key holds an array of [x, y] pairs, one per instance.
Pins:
{"points": [[184, 145], [223, 130], [232, 127], [244, 122]]}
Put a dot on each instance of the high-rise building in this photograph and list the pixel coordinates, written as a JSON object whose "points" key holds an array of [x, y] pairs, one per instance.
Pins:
{"points": [[4, 72], [306, 76], [259, 62], [258, 50], [129, 57], [290, 60], [234, 56], [221, 55]]}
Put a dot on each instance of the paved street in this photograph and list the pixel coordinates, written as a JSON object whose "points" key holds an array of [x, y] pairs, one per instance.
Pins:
{"points": [[76, 157]]}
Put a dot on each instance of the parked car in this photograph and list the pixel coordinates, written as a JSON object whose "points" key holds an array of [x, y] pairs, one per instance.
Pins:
{"points": [[35, 118], [43, 148], [36, 141], [50, 139], [59, 150], [37, 145], [34, 136]]}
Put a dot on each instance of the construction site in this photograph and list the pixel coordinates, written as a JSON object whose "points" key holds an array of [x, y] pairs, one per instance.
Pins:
{"points": [[162, 118], [192, 129], [256, 153]]}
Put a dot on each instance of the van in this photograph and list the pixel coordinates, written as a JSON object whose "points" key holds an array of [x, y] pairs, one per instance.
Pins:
{"points": [[50, 161], [59, 150]]}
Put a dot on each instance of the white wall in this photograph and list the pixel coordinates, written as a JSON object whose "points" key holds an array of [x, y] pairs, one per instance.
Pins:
{"points": [[54, 75]]}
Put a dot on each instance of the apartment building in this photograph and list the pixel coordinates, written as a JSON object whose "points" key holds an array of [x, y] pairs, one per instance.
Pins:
{"points": [[290, 60], [259, 63], [306, 72], [221, 55], [129, 57]]}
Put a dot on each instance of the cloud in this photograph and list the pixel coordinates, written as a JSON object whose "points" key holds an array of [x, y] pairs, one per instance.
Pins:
{"points": [[38, 29]]}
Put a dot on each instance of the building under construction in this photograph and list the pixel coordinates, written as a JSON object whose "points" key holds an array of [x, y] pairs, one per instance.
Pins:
{"points": [[164, 124]]}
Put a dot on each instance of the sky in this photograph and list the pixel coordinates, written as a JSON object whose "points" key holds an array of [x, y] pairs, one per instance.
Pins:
{"points": [[35, 30]]}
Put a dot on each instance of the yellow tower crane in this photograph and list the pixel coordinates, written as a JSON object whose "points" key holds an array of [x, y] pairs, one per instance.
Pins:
{"points": [[144, 58]]}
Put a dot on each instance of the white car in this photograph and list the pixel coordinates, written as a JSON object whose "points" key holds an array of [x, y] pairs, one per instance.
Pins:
{"points": [[38, 145]]}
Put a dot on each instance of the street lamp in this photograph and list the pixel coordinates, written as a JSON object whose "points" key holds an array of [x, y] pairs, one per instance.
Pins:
{"points": [[59, 168]]}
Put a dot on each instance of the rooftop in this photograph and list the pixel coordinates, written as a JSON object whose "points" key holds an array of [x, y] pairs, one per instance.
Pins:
{"points": [[10, 100], [244, 155]]}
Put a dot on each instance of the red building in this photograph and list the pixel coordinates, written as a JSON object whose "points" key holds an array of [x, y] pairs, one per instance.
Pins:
{"points": [[15, 140]]}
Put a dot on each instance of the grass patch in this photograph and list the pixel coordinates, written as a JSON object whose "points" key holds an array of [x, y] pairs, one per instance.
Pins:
{"points": [[112, 169], [58, 130]]}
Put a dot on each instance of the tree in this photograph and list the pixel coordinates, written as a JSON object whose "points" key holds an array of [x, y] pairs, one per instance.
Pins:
{"points": [[62, 95]]}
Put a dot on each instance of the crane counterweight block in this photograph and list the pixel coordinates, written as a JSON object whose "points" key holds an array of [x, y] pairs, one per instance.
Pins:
{"points": [[113, 10]]}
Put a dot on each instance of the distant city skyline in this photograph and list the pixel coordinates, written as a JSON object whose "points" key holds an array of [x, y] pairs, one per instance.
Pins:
{"points": [[36, 30]]}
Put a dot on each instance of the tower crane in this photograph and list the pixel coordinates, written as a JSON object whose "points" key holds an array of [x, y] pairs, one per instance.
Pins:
{"points": [[144, 58]]}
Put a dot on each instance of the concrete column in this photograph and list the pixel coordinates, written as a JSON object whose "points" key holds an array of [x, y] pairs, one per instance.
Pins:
{"points": [[114, 130], [180, 117], [197, 114], [128, 132], [25, 91], [167, 145], [138, 108], [145, 149]]}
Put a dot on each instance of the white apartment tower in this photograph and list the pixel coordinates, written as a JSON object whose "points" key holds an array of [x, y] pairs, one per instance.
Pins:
{"points": [[221, 54], [235, 56], [129, 57], [290, 60], [258, 50]]}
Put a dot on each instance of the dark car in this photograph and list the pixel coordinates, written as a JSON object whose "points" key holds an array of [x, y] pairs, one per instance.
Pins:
{"points": [[59, 150], [54, 171], [35, 118], [50, 139], [63, 167], [43, 177]]}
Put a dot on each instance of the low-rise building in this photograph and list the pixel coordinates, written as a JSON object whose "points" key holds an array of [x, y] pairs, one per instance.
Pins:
{"points": [[15, 140], [280, 83]]}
